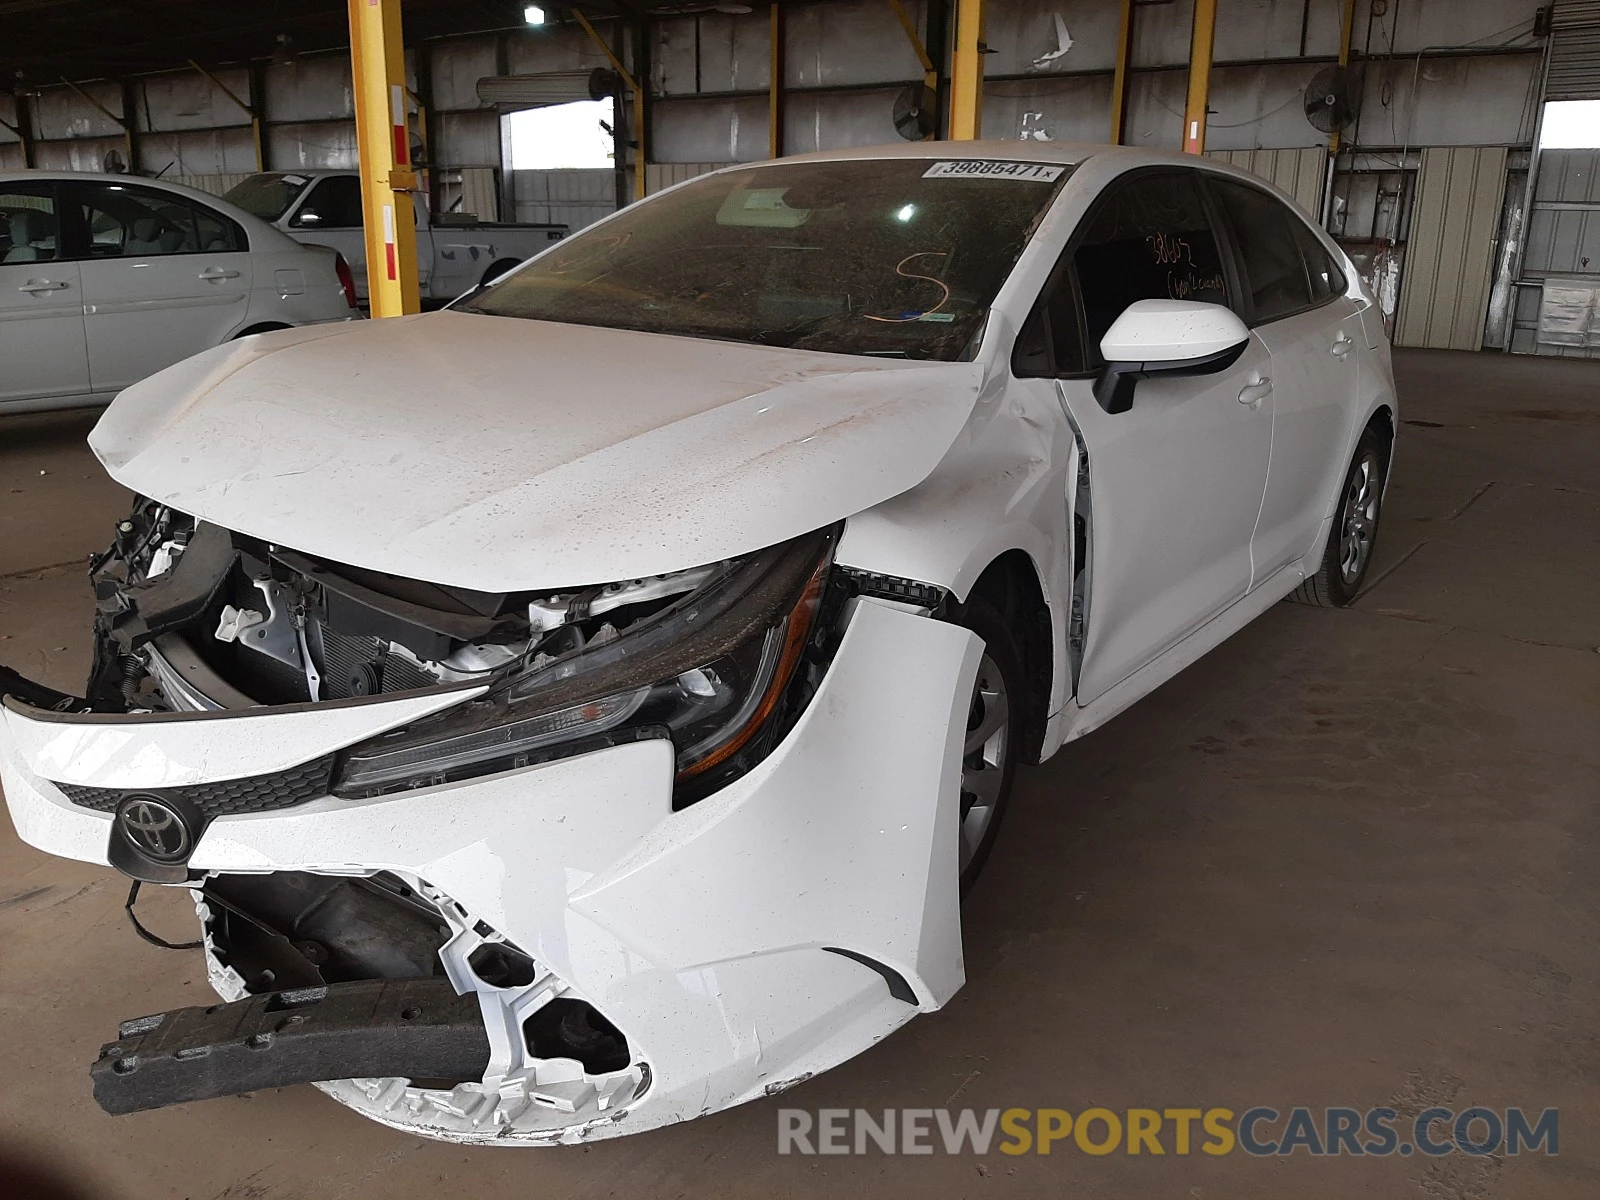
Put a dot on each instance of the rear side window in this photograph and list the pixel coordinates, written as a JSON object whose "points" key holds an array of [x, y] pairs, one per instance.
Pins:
{"points": [[1270, 259], [335, 203], [30, 230], [1149, 238]]}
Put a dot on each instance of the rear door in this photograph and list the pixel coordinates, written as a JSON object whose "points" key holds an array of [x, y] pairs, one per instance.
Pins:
{"points": [[1175, 483], [165, 277], [42, 349], [1295, 300]]}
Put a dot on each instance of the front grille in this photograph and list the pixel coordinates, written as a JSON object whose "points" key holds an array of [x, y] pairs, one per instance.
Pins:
{"points": [[226, 797]]}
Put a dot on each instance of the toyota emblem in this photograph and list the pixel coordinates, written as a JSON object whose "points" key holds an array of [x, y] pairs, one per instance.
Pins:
{"points": [[154, 828]]}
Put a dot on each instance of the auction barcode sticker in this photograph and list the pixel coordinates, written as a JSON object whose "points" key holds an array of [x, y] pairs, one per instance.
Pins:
{"points": [[984, 168]]}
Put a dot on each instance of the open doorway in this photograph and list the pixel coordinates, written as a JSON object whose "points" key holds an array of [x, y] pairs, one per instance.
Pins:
{"points": [[562, 137]]}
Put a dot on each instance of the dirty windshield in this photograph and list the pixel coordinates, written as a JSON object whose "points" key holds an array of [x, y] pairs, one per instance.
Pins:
{"points": [[895, 257], [267, 196]]}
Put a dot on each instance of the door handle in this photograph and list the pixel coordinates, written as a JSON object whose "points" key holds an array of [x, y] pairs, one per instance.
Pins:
{"points": [[218, 273], [43, 285], [1257, 390], [1342, 346]]}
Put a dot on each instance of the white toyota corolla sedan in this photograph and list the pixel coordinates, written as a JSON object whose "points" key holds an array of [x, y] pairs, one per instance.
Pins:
{"points": [[582, 709], [106, 279]]}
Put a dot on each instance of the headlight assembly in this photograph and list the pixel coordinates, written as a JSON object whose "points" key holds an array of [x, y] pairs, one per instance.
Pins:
{"points": [[716, 672]]}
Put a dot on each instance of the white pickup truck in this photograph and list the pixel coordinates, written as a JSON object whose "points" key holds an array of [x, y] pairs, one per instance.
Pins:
{"points": [[323, 207]]}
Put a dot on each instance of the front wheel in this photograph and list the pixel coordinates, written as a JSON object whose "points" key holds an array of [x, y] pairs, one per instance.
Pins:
{"points": [[989, 750], [1355, 531]]}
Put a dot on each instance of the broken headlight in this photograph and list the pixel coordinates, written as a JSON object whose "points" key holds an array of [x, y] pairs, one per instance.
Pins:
{"points": [[717, 672]]}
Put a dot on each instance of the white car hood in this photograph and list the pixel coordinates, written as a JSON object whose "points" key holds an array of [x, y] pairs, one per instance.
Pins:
{"points": [[508, 455]]}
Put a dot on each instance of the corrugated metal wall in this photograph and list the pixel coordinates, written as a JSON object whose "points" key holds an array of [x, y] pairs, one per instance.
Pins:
{"points": [[663, 175], [1302, 173], [1563, 240], [575, 197], [1445, 291]]}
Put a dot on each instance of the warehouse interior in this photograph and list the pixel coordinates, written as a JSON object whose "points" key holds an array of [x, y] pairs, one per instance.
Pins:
{"points": [[1345, 859]]}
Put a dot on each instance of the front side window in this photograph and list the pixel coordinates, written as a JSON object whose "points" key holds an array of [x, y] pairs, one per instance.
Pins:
{"points": [[30, 228], [1270, 258], [889, 257], [124, 221], [1149, 238], [335, 203]]}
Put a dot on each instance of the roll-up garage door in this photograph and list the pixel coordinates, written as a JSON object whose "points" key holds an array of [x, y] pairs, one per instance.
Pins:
{"points": [[1574, 51]]}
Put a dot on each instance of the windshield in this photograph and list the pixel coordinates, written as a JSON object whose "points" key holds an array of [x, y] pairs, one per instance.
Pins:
{"points": [[895, 257], [267, 196]]}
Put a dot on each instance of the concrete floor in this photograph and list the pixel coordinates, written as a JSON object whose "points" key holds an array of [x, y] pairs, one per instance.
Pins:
{"points": [[1347, 859]]}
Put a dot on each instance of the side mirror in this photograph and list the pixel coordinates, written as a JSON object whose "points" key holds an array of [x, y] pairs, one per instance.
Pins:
{"points": [[1165, 337], [308, 216]]}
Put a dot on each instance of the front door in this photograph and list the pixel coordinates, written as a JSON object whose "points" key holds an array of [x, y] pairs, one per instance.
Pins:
{"points": [[164, 277], [41, 300], [1175, 483]]}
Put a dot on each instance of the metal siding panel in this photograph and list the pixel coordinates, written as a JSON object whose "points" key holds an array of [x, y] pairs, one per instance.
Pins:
{"points": [[1445, 291]]}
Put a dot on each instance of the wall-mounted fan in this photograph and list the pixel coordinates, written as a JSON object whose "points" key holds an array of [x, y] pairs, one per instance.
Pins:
{"points": [[915, 111], [111, 162], [1330, 99]]}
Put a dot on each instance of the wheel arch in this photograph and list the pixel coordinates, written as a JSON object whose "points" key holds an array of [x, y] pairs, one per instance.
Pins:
{"points": [[1012, 585]]}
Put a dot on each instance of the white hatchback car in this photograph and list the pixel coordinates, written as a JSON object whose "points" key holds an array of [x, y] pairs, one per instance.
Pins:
{"points": [[106, 279], [581, 709]]}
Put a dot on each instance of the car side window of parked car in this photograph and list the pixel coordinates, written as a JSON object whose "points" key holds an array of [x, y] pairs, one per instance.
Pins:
{"points": [[124, 221], [1150, 237], [335, 203], [30, 227], [1271, 258]]}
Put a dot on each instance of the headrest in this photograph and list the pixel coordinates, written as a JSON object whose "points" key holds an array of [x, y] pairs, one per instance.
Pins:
{"points": [[31, 226]]}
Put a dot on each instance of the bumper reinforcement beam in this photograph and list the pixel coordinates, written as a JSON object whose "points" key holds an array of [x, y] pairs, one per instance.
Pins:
{"points": [[415, 1028]]}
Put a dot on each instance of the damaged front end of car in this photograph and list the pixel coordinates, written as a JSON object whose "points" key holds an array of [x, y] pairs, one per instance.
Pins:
{"points": [[508, 866]]}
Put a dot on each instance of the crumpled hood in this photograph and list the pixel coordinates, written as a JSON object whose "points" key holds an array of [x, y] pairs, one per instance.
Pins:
{"points": [[507, 455]]}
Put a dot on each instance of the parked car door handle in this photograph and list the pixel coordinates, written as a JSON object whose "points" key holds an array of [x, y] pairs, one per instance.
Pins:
{"points": [[218, 273], [1257, 390], [43, 285], [1342, 346]]}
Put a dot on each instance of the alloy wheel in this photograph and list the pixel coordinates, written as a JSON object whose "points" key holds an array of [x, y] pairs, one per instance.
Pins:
{"points": [[983, 759], [1359, 520]]}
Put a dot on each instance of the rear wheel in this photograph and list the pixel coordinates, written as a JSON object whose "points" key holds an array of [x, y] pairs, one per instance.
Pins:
{"points": [[989, 751], [1355, 531]]}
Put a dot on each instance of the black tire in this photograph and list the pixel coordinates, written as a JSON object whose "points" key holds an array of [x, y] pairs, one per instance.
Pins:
{"points": [[1002, 664], [1336, 584], [498, 268]]}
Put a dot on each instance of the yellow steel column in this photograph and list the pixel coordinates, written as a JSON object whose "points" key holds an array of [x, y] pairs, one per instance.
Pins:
{"points": [[1345, 31], [930, 73], [632, 84], [1119, 83], [775, 84], [966, 73], [378, 68], [1194, 111]]}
